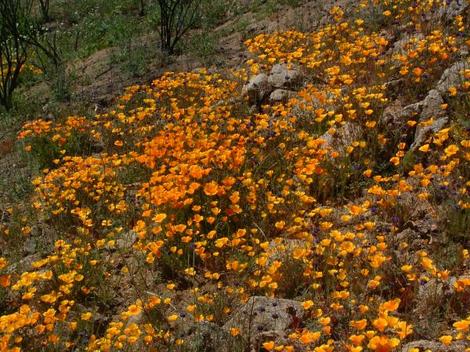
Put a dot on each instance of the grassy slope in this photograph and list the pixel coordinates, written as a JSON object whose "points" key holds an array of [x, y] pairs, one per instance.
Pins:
{"points": [[108, 45]]}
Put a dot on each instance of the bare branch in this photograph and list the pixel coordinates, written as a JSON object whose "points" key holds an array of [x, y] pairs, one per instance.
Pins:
{"points": [[176, 18]]}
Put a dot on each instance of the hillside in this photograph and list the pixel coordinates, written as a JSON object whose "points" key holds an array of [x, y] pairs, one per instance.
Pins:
{"points": [[299, 182]]}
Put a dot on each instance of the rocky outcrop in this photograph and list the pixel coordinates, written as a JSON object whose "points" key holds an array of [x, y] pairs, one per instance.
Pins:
{"points": [[430, 294], [257, 89], [284, 76], [126, 240], [434, 346], [452, 76], [262, 314], [343, 136], [452, 8], [430, 109], [278, 86], [24, 264], [281, 96]]}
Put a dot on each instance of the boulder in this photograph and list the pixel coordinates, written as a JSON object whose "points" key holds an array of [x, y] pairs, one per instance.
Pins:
{"points": [[435, 346], [452, 8], [284, 76], [431, 105], [262, 314], [422, 133], [23, 265], [207, 336], [393, 116], [430, 294], [257, 89], [452, 76], [343, 137], [429, 108], [126, 240], [281, 96]]}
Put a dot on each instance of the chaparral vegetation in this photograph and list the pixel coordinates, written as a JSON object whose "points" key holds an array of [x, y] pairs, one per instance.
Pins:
{"points": [[314, 197]]}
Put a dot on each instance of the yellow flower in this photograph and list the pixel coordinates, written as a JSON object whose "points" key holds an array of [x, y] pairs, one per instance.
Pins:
{"points": [[234, 331], [357, 339], [307, 304], [308, 337], [462, 325], [280, 225], [159, 217], [86, 316], [359, 324], [406, 268], [417, 71], [211, 188], [221, 242], [395, 160], [269, 346], [383, 343], [451, 150], [446, 339], [5, 280], [391, 306], [380, 324], [172, 317], [424, 148]]}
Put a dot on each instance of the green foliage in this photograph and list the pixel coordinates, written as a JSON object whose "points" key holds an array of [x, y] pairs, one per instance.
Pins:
{"points": [[213, 13], [203, 46], [457, 223], [16, 28], [134, 60]]}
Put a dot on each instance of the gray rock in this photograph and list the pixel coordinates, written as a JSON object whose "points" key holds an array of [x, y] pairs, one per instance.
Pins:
{"points": [[430, 108], [281, 96], [452, 8], [30, 245], [422, 133], [126, 240], [261, 314], [393, 115], [452, 76], [282, 76], [344, 136], [432, 105], [257, 88], [401, 45], [435, 346], [431, 294], [23, 265]]}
